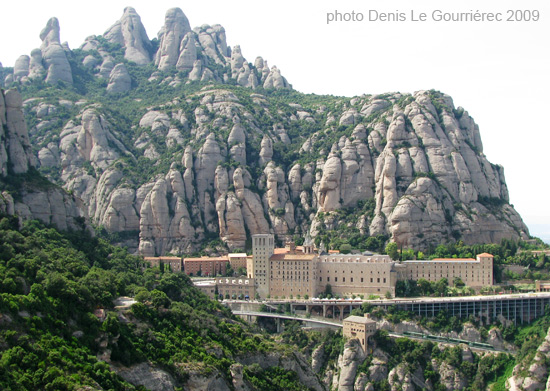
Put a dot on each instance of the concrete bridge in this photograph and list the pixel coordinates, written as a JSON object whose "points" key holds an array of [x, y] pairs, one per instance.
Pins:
{"points": [[519, 308], [310, 322]]}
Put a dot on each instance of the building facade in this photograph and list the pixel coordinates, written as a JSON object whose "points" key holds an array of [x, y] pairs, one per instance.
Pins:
{"points": [[292, 273], [228, 288], [174, 264], [473, 272], [359, 327], [262, 249], [237, 260], [295, 271], [356, 274], [205, 266]]}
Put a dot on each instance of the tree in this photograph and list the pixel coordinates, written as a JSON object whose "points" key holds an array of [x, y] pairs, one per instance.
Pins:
{"points": [[159, 299], [441, 286], [229, 272], [328, 291], [345, 248], [457, 281], [391, 250], [241, 271], [425, 286], [407, 254]]}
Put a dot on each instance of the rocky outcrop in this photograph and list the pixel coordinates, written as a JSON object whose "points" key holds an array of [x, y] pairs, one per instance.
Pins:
{"points": [[398, 174], [15, 148], [36, 199], [165, 223], [450, 377], [187, 52], [176, 27], [294, 362], [406, 166], [53, 54], [532, 373], [146, 375], [21, 68], [119, 80], [275, 80], [347, 363], [129, 33]]}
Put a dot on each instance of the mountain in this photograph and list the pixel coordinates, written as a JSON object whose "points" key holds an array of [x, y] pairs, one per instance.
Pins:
{"points": [[25, 192], [179, 142]]}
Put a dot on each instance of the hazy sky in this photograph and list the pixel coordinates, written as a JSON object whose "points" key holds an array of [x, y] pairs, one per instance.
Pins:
{"points": [[497, 70]]}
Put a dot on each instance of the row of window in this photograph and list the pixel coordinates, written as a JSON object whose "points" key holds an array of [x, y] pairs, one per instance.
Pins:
{"points": [[346, 271], [351, 279]]}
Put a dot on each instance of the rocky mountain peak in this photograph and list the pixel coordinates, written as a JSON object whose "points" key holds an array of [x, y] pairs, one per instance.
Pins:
{"points": [[130, 33], [50, 34], [53, 59], [201, 53], [193, 153], [176, 27]]}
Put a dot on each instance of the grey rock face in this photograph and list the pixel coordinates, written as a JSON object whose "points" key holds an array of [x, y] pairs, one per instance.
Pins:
{"points": [[16, 148], [533, 374], [147, 376], [347, 364], [36, 69], [21, 67], [131, 35], [53, 54], [188, 52], [49, 204], [119, 80], [176, 26], [275, 80]]}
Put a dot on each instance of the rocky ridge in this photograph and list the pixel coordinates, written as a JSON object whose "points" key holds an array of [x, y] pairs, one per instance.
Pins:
{"points": [[36, 198], [533, 372], [358, 371], [202, 54], [201, 160], [424, 171]]}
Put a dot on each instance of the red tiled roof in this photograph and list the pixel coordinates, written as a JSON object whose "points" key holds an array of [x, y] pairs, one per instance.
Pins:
{"points": [[453, 259], [280, 251], [485, 255], [207, 259]]}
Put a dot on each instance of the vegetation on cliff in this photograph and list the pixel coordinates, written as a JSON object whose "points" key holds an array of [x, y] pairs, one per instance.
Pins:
{"points": [[51, 335]]}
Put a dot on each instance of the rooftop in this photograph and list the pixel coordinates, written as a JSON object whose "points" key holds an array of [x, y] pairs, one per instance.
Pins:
{"points": [[292, 257], [202, 259], [163, 258], [359, 319]]}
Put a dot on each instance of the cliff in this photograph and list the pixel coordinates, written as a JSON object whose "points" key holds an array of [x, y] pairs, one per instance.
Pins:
{"points": [[192, 143], [25, 192]]}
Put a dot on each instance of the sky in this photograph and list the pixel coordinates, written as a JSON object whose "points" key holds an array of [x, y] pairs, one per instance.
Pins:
{"points": [[497, 70]]}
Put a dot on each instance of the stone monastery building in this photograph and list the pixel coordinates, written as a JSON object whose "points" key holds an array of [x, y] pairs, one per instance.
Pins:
{"points": [[304, 270]]}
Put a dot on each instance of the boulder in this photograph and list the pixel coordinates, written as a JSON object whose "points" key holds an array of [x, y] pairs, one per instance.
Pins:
{"points": [[119, 80]]}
